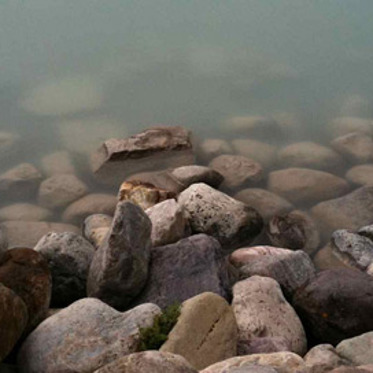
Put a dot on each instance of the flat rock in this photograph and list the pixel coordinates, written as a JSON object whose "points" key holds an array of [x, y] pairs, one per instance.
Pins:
{"points": [[262, 311], [345, 125], [184, 269], [119, 268], [357, 350], [306, 186], [361, 174], [96, 203], [24, 211], [209, 211], [188, 175], [84, 337], [211, 148], [26, 272], [69, 256], [57, 163], [96, 227], [155, 148], [205, 332]]}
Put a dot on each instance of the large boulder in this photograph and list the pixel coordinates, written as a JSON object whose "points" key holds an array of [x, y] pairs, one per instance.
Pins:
{"points": [[69, 256], [119, 268], [25, 212], [155, 148], [357, 350], [205, 332], [84, 337], [209, 211], [184, 269]]}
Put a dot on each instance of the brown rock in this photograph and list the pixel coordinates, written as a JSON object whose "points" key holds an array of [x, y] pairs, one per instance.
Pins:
{"points": [[326, 259], [212, 148], [57, 163], [24, 211], [345, 125], [361, 174]]}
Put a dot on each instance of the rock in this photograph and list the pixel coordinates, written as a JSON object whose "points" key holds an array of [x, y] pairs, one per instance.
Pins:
{"points": [[13, 320], [212, 212], [366, 231], [149, 361], [24, 211], [96, 227], [359, 369], [20, 182], [351, 211], [169, 224], [57, 163], [259, 126], [155, 148], [211, 148], [26, 272], [143, 194], [60, 190], [7, 368], [184, 269], [295, 230], [119, 268], [306, 186], [263, 153], [309, 155], [282, 362], [88, 205], [358, 350], [205, 332], [28, 233], [84, 337], [8, 147], [3, 239], [266, 203], [361, 174], [253, 369], [345, 125], [262, 311], [326, 259], [237, 170], [69, 257], [355, 147], [323, 358], [291, 269], [336, 304], [188, 175]]}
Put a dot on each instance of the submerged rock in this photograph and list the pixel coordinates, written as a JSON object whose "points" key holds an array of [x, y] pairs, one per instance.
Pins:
{"points": [[3, 239], [211, 148], [188, 175], [345, 125], [57, 163], [24, 211], [361, 174], [96, 227]]}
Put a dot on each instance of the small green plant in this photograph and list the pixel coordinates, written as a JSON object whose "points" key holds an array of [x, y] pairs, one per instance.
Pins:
{"points": [[152, 338]]}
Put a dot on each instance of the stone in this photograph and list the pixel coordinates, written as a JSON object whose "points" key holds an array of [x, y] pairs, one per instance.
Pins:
{"points": [[237, 170], [84, 337], [8, 368], [335, 305], [266, 203], [149, 361], [96, 203], [57, 163], [264, 345], [257, 126], [26, 272], [143, 194], [291, 269], [262, 152], [344, 125], [60, 190], [169, 224], [69, 256], [252, 369], [96, 227], [361, 174], [188, 175], [209, 211], [211, 148], [351, 211], [262, 311], [357, 350], [13, 320], [28, 233], [20, 182], [184, 269], [120, 266], [282, 362], [3, 240], [326, 259], [25, 212], [155, 148], [359, 369], [309, 155], [355, 147], [205, 332], [306, 186]]}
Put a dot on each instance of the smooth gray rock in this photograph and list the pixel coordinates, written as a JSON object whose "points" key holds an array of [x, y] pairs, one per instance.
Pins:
{"points": [[358, 350], [188, 175], [69, 257], [96, 227], [119, 268], [24, 212], [84, 337]]}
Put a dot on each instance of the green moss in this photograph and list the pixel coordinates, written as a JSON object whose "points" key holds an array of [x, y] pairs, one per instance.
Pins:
{"points": [[152, 338]]}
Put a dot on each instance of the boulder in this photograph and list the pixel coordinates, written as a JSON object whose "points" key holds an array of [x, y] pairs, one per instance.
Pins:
{"points": [[119, 268], [345, 125], [155, 148], [326, 259], [209, 211], [69, 256], [184, 269], [262, 311], [26, 272], [361, 174], [57, 163], [84, 337], [188, 175], [306, 186], [96, 227], [25, 212], [205, 332], [211, 148], [357, 350]]}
